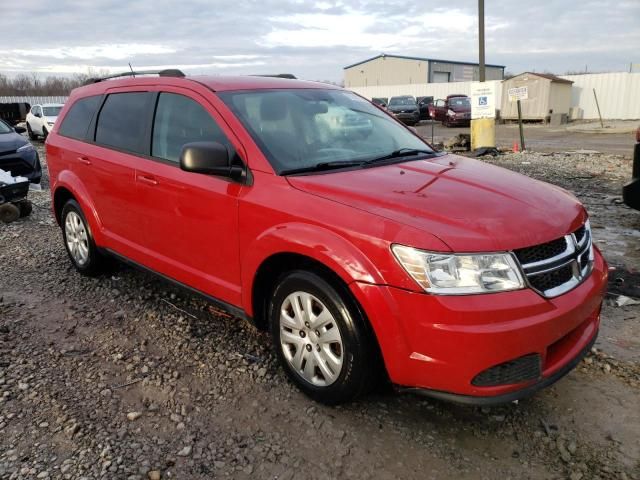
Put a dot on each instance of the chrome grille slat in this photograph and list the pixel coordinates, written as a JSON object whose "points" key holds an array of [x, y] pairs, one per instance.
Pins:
{"points": [[551, 276]]}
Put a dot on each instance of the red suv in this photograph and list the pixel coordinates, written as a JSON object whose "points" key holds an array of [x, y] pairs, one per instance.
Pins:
{"points": [[310, 212]]}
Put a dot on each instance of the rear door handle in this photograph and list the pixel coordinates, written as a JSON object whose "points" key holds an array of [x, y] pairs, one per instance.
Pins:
{"points": [[84, 160], [148, 180]]}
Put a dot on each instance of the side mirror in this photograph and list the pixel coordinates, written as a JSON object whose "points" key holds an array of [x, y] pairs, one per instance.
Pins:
{"points": [[20, 129], [39, 115], [211, 158]]}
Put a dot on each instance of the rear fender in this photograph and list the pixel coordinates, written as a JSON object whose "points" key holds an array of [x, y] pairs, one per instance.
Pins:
{"points": [[70, 181]]}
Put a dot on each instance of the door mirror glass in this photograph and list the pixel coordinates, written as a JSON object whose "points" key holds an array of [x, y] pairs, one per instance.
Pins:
{"points": [[38, 114], [210, 158]]}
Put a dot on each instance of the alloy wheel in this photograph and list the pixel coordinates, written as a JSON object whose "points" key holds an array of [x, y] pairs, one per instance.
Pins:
{"points": [[76, 238], [310, 339]]}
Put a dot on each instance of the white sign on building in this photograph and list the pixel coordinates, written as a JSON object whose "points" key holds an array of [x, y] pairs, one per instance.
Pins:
{"points": [[483, 100], [518, 93]]}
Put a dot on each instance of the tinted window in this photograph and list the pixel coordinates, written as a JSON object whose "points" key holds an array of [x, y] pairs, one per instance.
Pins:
{"points": [[181, 120], [121, 123], [78, 118]]}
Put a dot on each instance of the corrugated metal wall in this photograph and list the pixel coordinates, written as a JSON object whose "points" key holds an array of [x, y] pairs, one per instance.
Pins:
{"points": [[33, 100], [618, 93]]}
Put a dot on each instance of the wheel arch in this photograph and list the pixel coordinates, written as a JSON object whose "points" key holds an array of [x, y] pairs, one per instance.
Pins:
{"points": [[69, 186]]}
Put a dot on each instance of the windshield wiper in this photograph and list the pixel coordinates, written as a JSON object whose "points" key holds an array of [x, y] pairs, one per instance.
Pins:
{"points": [[402, 152], [325, 166]]}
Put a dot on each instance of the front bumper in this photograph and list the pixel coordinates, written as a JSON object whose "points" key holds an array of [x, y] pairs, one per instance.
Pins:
{"points": [[412, 117], [24, 164], [459, 120], [437, 345]]}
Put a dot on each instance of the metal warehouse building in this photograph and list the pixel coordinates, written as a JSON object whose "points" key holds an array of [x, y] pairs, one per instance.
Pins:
{"points": [[399, 70]]}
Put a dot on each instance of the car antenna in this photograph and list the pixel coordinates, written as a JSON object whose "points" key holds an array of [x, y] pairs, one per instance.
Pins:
{"points": [[132, 72]]}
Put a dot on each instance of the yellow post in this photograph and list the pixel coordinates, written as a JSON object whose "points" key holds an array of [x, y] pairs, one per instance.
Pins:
{"points": [[483, 133]]}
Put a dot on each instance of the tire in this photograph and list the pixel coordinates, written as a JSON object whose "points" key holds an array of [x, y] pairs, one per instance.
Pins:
{"points": [[331, 366], [85, 255], [32, 135], [9, 213], [45, 133], [25, 207]]}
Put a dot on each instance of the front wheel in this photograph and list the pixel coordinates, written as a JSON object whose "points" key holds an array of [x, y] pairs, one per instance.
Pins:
{"points": [[45, 133], [79, 242], [321, 339], [32, 135]]}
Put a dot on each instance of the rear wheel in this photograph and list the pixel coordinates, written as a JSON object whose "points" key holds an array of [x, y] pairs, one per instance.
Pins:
{"points": [[320, 338], [79, 242]]}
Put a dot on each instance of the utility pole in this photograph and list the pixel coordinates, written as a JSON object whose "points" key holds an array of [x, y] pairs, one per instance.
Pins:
{"points": [[481, 38], [483, 128]]}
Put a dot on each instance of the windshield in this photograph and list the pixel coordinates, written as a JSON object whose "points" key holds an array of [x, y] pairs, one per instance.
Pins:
{"points": [[460, 102], [4, 128], [51, 111], [402, 101], [301, 128]]}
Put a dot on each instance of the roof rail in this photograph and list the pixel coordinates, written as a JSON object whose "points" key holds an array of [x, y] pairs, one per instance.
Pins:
{"points": [[169, 72], [279, 75]]}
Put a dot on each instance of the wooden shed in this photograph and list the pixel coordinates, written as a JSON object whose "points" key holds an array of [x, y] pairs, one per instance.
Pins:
{"points": [[546, 94]]}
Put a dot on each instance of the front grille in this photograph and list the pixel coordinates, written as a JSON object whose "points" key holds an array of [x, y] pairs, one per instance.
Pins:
{"points": [[547, 281], [555, 267], [542, 252], [520, 370]]}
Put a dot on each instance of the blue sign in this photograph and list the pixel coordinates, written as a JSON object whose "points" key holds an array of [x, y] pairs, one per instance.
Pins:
{"points": [[482, 101]]}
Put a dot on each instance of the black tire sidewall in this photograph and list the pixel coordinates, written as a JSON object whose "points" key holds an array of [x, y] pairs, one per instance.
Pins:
{"points": [[354, 377], [92, 266]]}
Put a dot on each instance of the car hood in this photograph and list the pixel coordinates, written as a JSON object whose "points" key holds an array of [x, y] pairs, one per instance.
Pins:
{"points": [[11, 141], [469, 205], [460, 108], [398, 108]]}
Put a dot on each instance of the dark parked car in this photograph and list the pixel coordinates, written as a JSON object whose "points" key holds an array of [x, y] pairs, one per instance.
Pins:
{"points": [[631, 191], [405, 109], [14, 113], [17, 155], [455, 110], [423, 105], [380, 101]]}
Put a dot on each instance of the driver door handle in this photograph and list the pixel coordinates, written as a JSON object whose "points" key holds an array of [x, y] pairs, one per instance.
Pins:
{"points": [[147, 179], [84, 160]]}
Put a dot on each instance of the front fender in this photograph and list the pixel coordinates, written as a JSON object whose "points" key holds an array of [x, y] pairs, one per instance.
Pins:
{"points": [[70, 181], [318, 243]]}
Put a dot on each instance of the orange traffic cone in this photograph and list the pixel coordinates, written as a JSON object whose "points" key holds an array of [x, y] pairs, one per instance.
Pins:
{"points": [[516, 149]]}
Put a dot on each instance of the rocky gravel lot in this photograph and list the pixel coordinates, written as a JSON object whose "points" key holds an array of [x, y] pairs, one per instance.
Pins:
{"points": [[123, 377]]}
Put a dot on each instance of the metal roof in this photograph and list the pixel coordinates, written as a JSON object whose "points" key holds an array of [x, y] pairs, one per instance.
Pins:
{"points": [[424, 59], [548, 76]]}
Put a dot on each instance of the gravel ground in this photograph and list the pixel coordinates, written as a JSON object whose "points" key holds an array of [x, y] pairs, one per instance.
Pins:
{"points": [[124, 377]]}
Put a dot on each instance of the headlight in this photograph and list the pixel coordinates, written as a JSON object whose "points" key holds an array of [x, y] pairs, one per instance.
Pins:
{"points": [[25, 148], [452, 274], [451, 113]]}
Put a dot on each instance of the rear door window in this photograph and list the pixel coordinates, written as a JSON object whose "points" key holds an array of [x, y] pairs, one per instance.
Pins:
{"points": [[77, 120], [122, 121], [180, 120]]}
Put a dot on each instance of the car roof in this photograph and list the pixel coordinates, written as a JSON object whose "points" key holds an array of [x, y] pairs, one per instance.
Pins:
{"points": [[216, 83], [52, 105]]}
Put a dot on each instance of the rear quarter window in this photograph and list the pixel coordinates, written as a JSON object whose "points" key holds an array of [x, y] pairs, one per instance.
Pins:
{"points": [[122, 121], [76, 122]]}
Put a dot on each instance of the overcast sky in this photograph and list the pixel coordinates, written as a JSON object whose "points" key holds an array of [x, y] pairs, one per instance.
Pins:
{"points": [[313, 40]]}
